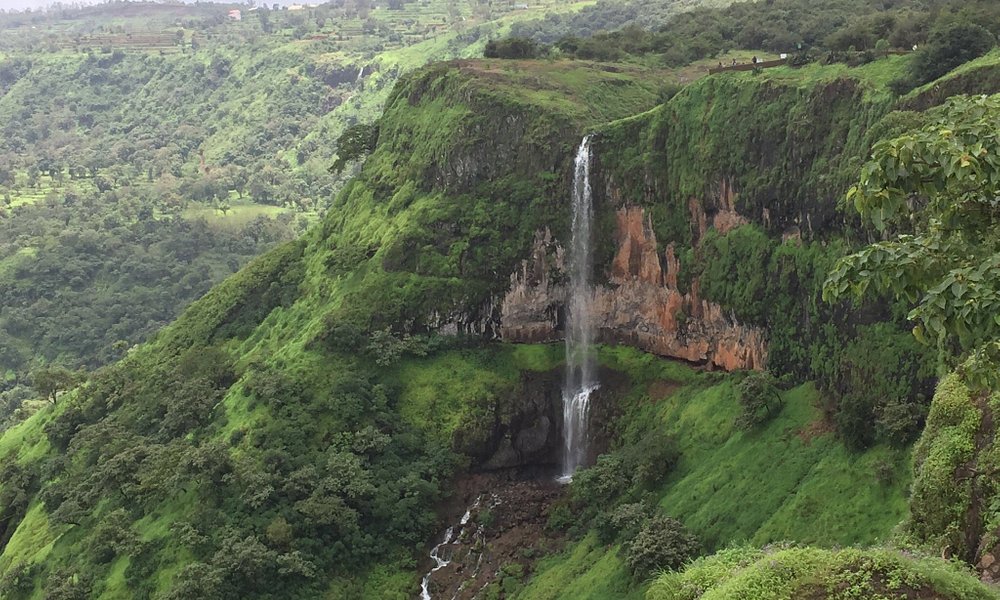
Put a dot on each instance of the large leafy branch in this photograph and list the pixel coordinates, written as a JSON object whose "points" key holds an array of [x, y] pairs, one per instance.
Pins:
{"points": [[942, 182]]}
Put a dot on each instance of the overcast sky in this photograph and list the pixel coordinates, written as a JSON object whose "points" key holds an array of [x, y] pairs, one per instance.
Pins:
{"points": [[22, 4]]}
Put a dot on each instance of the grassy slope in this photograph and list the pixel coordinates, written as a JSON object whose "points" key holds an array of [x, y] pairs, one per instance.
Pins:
{"points": [[979, 76], [752, 574], [793, 478]]}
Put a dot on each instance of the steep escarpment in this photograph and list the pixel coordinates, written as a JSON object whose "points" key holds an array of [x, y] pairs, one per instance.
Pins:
{"points": [[292, 433], [718, 222], [470, 164]]}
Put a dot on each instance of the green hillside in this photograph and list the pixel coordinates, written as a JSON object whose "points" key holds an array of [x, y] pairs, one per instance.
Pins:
{"points": [[374, 392], [285, 364], [135, 177]]}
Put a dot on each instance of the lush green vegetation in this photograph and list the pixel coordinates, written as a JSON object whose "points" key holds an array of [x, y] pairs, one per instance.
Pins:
{"points": [[291, 433], [813, 573], [795, 479], [856, 356], [147, 151], [255, 447], [948, 32], [940, 255]]}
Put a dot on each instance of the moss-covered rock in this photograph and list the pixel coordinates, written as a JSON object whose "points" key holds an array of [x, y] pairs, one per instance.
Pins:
{"points": [[955, 503]]}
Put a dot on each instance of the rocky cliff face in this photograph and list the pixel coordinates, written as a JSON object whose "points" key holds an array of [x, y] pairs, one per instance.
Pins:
{"points": [[640, 303]]}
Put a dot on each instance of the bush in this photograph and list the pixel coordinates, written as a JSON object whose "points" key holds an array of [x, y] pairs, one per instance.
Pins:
{"points": [[622, 523], [600, 485], [881, 384], [513, 47], [759, 399], [668, 90], [948, 48], [662, 543], [651, 459]]}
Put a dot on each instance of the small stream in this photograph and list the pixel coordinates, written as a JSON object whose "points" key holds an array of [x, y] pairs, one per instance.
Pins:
{"points": [[460, 541]]}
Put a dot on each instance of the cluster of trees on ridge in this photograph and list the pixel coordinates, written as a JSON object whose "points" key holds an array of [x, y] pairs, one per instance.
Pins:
{"points": [[947, 33]]}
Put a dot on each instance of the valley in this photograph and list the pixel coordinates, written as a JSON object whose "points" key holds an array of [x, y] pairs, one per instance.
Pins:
{"points": [[347, 303]]}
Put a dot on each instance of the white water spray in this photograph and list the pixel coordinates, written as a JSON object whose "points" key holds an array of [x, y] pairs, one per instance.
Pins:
{"points": [[580, 381]]}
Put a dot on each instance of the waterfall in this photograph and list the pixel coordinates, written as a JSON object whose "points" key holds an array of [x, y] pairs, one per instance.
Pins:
{"points": [[361, 73], [461, 542], [580, 381]]}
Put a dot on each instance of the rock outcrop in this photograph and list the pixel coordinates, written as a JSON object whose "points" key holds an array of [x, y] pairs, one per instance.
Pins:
{"points": [[532, 309], [641, 303]]}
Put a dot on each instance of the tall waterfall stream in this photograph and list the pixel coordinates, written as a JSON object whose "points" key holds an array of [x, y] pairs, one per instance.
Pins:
{"points": [[465, 542], [580, 380]]}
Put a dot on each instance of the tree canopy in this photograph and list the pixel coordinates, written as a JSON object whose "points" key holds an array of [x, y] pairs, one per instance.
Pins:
{"points": [[934, 192]]}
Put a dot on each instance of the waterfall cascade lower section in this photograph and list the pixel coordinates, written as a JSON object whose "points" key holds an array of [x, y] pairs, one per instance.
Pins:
{"points": [[580, 380], [463, 537], [496, 520]]}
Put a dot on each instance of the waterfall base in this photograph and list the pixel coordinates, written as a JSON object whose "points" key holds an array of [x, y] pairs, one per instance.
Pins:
{"points": [[576, 430]]}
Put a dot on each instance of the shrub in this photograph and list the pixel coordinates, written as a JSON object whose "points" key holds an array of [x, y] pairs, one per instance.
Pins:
{"points": [[651, 459], [662, 543], [513, 47], [948, 48], [622, 523], [759, 399], [600, 485], [668, 90]]}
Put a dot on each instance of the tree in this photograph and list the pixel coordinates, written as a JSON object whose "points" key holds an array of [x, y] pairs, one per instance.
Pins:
{"points": [[662, 543], [355, 143], [941, 184], [512, 47], [882, 47], [759, 399], [50, 380], [948, 48]]}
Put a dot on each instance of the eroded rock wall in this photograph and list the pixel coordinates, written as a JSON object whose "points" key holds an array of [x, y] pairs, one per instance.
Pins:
{"points": [[639, 303]]}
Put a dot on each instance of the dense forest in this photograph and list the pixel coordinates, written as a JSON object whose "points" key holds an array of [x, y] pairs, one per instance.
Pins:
{"points": [[834, 30], [148, 151], [291, 301]]}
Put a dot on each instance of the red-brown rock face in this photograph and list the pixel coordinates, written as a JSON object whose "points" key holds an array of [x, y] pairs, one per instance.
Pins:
{"points": [[642, 305]]}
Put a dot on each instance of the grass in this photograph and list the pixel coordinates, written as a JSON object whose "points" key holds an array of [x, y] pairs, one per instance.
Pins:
{"points": [[31, 542], [793, 478], [441, 392], [750, 574], [24, 439], [785, 476], [584, 571], [115, 587], [877, 74], [236, 218]]}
